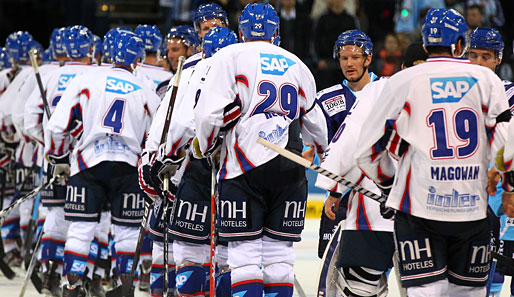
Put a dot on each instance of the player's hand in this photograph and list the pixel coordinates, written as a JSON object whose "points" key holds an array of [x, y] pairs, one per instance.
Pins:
{"points": [[331, 200], [508, 204], [146, 183], [309, 153], [197, 152], [386, 212], [493, 178], [61, 166], [166, 165]]}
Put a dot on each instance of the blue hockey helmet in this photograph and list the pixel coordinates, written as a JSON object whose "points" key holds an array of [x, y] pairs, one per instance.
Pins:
{"points": [[187, 34], [487, 38], [18, 45], [151, 37], [128, 48], [444, 27], [56, 42], [5, 59], [216, 39], [47, 56], [258, 21], [78, 41], [209, 11], [110, 39], [353, 37]]}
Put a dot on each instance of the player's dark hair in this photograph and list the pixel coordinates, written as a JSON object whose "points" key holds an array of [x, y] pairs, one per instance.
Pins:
{"points": [[438, 50], [476, 6]]}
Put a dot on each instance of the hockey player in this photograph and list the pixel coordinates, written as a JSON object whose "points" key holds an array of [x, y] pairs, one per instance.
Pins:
{"points": [[439, 188], [208, 16], [361, 266], [113, 110], [486, 49], [354, 51], [191, 244], [19, 146], [77, 43], [262, 195], [152, 39]]}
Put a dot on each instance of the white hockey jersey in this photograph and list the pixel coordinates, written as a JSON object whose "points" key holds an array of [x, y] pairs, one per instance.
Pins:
{"points": [[362, 213], [265, 88], [5, 79], [55, 83], [156, 74], [446, 110], [112, 109]]}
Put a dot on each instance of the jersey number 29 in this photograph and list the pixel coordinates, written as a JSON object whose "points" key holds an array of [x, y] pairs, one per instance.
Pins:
{"points": [[286, 95]]}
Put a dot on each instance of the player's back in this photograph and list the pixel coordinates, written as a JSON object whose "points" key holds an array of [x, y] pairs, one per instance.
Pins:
{"points": [[157, 74], [273, 88], [115, 109], [448, 118]]}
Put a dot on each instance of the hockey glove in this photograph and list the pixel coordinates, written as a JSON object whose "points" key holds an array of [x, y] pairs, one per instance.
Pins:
{"points": [[146, 182], [197, 152], [387, 212], [8, 144], [508, 185], [61, 166], [166, 165]]}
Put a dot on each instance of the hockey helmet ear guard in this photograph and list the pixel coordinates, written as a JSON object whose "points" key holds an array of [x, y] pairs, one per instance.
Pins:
{"points": [[18, 45], [128, 48], [489, 39], [187, 35], [97, 48], [209, 11], [78, 41], [444, 27], [353, 37], [216, 39], [258, 21], [151, 37]]}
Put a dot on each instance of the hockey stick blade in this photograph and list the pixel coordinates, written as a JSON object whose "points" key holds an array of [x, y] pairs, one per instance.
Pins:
{"points": [[305, 163], [503, 259]]}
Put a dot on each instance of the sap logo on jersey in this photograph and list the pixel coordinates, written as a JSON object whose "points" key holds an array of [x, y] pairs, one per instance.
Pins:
{"points": [[450, 89], [120, 86], [182, 278], [275, 64], [63, 81], [78, 267]]}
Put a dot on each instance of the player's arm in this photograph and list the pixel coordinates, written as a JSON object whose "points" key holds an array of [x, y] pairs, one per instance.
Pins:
{"points": [[217, 91], [33, 116]]}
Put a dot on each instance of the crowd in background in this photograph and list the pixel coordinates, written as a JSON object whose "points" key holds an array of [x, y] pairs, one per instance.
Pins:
{"points": [[309, 27]]}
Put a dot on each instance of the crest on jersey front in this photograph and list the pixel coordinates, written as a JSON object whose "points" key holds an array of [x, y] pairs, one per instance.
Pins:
{"points": [[275, 64], [120, 86], [450, 89]]}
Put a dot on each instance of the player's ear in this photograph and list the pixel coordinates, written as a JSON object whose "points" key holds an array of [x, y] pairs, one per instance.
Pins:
{"points": [[367, 61]]}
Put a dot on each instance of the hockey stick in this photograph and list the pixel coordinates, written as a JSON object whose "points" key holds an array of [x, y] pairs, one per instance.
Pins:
{"points": [[20, 200], [298, 287], [6, 270], [32, 54], [165, 183], [127, 288], [27, 243], [212, 270], [30, 271], [305, 163]]}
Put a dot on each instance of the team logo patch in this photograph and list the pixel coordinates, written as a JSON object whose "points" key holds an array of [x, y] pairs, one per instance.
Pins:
{"points": [[275, 64], [450, 89], [64, 81], [334, 105], [275, 136], [120, 86]]}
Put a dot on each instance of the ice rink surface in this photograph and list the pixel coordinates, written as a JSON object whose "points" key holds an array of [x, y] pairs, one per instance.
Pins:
{"points": [[306, 269]]}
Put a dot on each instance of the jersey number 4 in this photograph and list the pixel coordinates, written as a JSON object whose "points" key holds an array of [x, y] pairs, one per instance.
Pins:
{"points": [[113, 118], [465, 123], [286, 95]]}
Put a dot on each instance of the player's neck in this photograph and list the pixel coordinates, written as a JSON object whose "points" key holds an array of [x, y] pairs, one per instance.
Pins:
{"points": [[151, 60], [84, 60], [127, 67], [359, 85]]}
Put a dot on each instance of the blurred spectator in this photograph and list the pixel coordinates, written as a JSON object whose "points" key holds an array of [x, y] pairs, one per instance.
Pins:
{"points": [[176, 12], [320, 6], [491, 11], [458, 5], [332, 23], [407, 16], [390, 57], [405, 40], [475, 17], [293, 34]]}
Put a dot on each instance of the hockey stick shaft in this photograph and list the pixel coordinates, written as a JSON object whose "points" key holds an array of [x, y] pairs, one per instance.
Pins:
{"points": [[305, 163], [298, 287], [174, 90], [165, 204], [212, 270], [20, 200], [32, 54], [27, 244], [31, 265]]}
